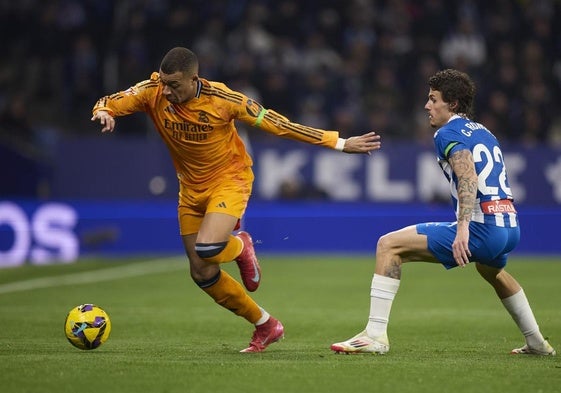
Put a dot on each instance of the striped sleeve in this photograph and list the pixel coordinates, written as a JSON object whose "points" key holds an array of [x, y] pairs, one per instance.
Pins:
{"points": [[277, 124], [251, 112], [129, 101]]}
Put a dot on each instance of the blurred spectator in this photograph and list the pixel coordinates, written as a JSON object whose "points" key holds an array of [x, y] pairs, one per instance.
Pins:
{"points": [[367, 60], [22, 147], [383, 102], [464, 47], [498, 111], [554, 133]]}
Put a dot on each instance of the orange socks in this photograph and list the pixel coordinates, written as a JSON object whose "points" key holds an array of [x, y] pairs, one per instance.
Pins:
{"points": [[230, 294], [231, 250]]}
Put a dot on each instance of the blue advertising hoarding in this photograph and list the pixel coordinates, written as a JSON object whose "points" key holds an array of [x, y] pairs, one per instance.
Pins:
{"points": [[118, 197], [52, 232], [127, 168]]}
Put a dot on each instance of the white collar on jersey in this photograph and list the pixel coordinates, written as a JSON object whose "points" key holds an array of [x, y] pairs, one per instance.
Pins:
{"points": [[457, 116]]}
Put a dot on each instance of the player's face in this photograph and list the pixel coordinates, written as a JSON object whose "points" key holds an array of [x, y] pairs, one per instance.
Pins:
{"points": [[179, 87], [438, 110]]}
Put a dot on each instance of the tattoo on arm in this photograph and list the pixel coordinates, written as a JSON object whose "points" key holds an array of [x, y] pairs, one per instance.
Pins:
{"points": [[463, 166]]}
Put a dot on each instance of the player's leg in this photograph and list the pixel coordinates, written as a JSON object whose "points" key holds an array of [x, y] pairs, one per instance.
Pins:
{"points": [[502, 282], [491, 245], [208, 241], [228, 293], [398, 247], [224, 205], [207, 237], [219, 285], [392, 250], [515, 301], [216, 244]]}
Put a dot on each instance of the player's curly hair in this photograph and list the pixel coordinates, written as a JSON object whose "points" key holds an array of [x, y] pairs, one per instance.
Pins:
{"points": [[455, 86], [179, 59]]}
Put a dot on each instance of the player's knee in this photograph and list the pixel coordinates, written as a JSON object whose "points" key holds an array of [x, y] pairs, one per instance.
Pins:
{"points": [[206, 283], [384, 244], [210, 252], [202, 272]]}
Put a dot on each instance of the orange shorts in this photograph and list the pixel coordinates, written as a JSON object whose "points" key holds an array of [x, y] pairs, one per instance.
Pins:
{"points": [[228, 196]]}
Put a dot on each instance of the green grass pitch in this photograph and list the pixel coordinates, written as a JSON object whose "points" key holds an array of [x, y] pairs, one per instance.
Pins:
{"points": [[448, 331]]}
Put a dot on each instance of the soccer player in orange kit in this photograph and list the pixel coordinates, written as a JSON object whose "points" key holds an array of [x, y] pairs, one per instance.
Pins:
{"points": [[195, 118]]}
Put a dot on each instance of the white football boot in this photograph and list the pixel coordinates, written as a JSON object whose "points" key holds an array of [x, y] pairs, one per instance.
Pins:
{"points": [[362, 343], [545, 349]]}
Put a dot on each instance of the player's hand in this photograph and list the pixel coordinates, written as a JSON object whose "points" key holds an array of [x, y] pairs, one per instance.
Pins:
{"points": [[105, 119], [363, 143], [460, 246]]}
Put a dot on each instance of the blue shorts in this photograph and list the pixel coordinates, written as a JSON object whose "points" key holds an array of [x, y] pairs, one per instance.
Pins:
{"points": [[488, 244]]}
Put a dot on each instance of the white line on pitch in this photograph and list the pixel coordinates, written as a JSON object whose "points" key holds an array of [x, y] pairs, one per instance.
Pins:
{"points": [[109, 274]]}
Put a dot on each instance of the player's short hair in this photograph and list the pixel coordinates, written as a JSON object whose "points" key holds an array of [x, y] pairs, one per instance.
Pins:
{"points": [[179, 59], [454, 86]]}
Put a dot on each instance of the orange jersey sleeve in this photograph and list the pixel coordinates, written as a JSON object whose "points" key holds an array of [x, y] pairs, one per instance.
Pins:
{"points": [[134, 99], [200, 134], [256, 115]]}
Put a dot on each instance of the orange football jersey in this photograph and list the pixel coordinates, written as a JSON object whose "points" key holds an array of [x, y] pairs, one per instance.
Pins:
{"points": [[200, 134]]}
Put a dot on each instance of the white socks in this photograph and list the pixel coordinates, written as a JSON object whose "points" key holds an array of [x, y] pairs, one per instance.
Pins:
{"points": [[382, 293], [264, 317], [519, 309]]}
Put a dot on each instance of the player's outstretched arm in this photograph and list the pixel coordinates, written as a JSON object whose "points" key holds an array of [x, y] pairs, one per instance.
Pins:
{"points": [[105, 119], [363, 143]]}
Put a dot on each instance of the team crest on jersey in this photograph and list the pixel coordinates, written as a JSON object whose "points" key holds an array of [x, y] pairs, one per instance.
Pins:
{"points": [[253, 108], [203, 117], [169, 109]]}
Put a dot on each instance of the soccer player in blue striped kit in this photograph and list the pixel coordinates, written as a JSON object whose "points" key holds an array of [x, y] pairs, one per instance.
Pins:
{"points": [[486, 230]]}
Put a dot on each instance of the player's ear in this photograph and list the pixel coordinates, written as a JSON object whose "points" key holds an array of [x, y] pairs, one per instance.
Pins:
{"points": [[453, 106]]}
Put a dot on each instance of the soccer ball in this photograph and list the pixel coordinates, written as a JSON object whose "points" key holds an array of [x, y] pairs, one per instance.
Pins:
{"points": [[87, 326]]}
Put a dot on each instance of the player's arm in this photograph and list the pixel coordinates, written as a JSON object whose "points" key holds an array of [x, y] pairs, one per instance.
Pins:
{"points": [[277, 124], [461, 162], [123, 103], [254, 114]]}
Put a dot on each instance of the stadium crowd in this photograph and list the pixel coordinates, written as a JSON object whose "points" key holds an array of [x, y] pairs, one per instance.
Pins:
{"points": [[352, 65]]}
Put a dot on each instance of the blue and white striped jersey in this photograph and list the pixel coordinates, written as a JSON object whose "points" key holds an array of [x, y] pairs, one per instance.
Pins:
{"points": [[459, 134]]}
